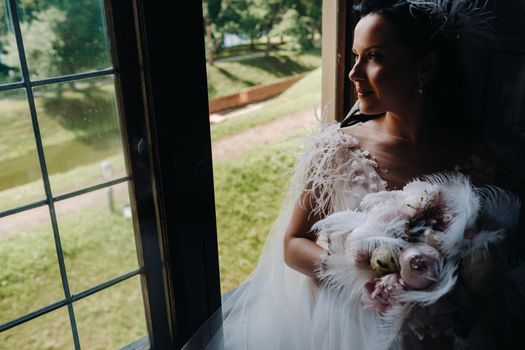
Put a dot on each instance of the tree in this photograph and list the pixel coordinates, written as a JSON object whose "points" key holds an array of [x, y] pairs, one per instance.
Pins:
{"points": [[214, 36], [255, 18], [302, 20], [269, 13], [60, 37], [83, 39], [41, 40]]}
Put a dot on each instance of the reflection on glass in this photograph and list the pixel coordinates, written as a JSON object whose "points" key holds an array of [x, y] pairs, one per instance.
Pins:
{"points": [[9, 60], [20, 178], [49, 331], [97, 236], [63, 37], [80, 132], [29, 273], [111, 318]]}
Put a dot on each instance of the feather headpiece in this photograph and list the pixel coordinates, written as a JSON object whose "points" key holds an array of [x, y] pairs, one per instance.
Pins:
{"points": [[468, 23]]}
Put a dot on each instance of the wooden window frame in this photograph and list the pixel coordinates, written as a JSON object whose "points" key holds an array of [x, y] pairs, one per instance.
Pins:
{"points": [[338, 93], [163, 102]]}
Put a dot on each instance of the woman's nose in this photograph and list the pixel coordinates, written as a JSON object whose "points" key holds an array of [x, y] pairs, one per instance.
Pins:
{"points": [[356, 73]]}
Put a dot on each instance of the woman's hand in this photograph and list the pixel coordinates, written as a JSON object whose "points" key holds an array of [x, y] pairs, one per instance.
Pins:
{"points": [[301, 252]]}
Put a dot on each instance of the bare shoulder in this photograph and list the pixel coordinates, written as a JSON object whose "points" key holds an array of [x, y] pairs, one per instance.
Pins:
{"points": [[364, 134]]}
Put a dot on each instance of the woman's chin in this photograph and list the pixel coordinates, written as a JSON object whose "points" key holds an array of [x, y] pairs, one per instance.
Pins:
{"points": [[369, 109]]}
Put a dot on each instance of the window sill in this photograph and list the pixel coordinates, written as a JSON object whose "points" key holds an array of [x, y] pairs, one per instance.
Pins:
{"points": [[140, 344]]}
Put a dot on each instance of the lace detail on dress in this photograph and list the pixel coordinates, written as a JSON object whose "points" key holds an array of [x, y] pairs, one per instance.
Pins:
{"points": [[335, 171]]}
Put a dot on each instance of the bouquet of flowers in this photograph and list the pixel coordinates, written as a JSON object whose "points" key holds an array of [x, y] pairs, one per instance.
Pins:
{"points": [[410, 244]]}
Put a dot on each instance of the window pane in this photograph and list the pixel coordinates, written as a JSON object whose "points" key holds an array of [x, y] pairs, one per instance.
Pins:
{"points": [[97, 236], [80, 132], [64, 37], [9, 60], [49, 331], [112, 318], [29, 274], [20, 178]]}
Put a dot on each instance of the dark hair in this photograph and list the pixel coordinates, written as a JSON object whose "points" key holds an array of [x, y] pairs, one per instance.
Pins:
{"points": [[421, 34]]}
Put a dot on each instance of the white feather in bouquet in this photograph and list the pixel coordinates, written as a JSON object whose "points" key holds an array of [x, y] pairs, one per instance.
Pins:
{"points": [[409, 243]]}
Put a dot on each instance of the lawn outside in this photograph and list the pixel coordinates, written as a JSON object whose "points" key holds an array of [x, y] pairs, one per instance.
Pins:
{"points": [[302, 96], [229, 77]]}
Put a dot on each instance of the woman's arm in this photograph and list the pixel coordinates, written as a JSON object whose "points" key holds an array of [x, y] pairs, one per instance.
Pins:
{"points": [[301, 252]]}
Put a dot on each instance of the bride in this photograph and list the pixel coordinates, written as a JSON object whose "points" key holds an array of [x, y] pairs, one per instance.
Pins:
{"points": [[410, 75]]}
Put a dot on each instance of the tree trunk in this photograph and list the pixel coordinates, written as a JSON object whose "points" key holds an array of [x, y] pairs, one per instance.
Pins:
{"points": [[210, 52]]}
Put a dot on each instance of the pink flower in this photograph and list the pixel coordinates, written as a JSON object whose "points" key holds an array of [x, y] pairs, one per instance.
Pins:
{"points": [[381, 293], [419, 266], [362, 258]]}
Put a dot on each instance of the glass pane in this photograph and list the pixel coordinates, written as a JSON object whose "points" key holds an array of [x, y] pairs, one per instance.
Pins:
{"points": [[29, 274], [49, 331], [80, 132], [97, 236], [20, 178], [64, 37], [9, 59], [112, 318]]}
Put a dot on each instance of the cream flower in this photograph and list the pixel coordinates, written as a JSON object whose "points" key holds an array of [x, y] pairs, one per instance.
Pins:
{"points": [[383, 261]]}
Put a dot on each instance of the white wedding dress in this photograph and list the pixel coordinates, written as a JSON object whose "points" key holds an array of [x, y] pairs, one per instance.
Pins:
{"points": [[280, 308]]}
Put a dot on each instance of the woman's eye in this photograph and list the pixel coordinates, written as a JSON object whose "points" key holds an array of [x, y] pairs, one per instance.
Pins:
{"points": [[374, 56]]}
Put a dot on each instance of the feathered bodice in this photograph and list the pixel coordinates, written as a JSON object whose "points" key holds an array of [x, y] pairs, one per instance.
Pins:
{"points": [[336, 171]]}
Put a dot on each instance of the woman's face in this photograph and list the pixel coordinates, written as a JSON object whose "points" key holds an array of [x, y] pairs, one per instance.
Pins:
{"points": [[385, 73]]}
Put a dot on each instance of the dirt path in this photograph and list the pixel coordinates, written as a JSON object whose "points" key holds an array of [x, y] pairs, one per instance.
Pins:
{"points": [[26, 220], [226, 148], [279, 129]]}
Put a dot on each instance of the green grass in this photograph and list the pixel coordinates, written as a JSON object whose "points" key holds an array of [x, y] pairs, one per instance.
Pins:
{"points": [[225, 78], [79, 177], [249, 191], [98, 245], [82, 115], [302, 96]]}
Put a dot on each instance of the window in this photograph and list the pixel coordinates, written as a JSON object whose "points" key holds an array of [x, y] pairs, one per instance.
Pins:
{"points": [[168, 165], [70, 275]]}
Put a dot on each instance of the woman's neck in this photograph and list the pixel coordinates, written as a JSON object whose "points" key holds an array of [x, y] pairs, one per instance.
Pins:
{"points": [[415, 125]]}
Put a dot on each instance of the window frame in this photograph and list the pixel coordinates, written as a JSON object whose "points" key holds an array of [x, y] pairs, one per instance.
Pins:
{"points": [[50, 199], [338, 92], [176, 239], [175, 229]]}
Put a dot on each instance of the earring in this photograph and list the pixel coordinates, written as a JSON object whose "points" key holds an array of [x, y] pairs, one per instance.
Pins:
{"points": [[420, 89]]}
